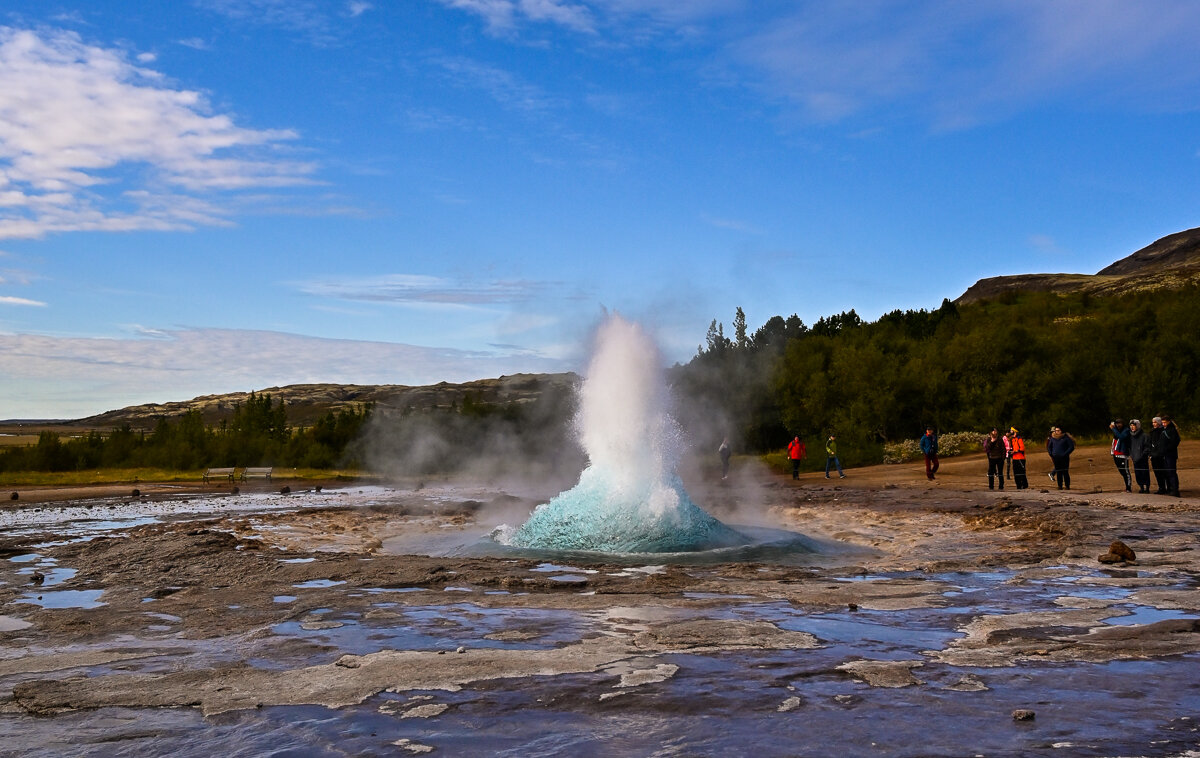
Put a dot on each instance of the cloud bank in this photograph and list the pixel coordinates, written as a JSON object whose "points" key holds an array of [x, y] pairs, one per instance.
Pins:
{"points": [[90, 375]]}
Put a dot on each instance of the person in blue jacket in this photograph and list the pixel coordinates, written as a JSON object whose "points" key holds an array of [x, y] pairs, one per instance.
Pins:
{"points": [[1120, 450], [929, 446], [1060, 445]]}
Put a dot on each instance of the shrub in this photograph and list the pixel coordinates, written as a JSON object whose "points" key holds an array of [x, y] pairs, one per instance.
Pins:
{"points": [[949, 444]]}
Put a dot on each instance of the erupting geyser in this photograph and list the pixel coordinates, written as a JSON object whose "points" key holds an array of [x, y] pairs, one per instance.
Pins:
{"points": [[629, 498]]}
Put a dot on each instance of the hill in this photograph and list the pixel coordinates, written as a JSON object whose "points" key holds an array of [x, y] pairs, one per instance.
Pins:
{"points": [[1169, 263], [307, 402]]}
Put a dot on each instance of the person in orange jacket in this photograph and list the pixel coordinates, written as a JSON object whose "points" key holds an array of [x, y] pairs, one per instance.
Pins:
{"points": [[1018, 459], [796, 451]]}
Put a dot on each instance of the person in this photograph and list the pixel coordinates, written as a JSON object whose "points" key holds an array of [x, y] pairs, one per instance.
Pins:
{"points": [[929, 447], [831, 456], [1170, 455], [996, 451], [1018, 458], [1139, 453], [796, 452], [1120, 450], [1007, 457], [724, 451], [1060, 445], [1156, 460]]}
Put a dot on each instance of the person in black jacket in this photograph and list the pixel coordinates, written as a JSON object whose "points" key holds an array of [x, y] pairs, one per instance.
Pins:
{"points": [[1170, 455], [1139, 453], [1120, 450], [1060, 445], [1156, 460], [996, 451]]}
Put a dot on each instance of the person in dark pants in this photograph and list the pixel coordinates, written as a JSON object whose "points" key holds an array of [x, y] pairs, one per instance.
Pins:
{"points": [[1139, 453], [1156, 460], [831, 457], [929, 447], [1170, 454], [796, 451], [1018, 459], [1060, 446], [996, 451], [1120, 450]]}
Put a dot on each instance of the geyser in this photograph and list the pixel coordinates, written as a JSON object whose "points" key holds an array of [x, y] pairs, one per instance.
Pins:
{"points": [[629, 498]]}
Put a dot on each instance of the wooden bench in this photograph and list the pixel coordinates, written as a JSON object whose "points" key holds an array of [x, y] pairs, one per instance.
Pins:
{"points": [[218, 473], [251, 472]]}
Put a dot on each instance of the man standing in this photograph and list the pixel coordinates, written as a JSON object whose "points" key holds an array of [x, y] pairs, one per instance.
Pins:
{"points": [[1155, 450], [1018, 459], [1120, 449], [832, 457], [1170, 455], [1139, 455], [929, 447], [796, 451], [995, 450], [725, 452]]}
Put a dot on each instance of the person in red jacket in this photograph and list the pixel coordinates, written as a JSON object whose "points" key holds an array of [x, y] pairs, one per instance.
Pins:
{"points": [[1018, 459], [796, 451]]}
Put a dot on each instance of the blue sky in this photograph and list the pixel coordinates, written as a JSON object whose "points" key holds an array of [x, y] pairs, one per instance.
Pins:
{"points": [[214, 195]]}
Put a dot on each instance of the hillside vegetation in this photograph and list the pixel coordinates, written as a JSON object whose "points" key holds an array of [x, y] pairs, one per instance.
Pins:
{"points": [[1027, 359]]}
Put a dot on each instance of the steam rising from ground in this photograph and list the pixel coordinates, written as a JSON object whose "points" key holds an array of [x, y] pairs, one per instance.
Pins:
{"points": [[629, 498]]}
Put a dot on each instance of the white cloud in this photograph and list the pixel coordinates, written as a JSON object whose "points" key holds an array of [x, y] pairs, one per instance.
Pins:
{"points": [[357, 7], [502, 15], [413, 289], [90, 141], [8, 300], [59, 377]]}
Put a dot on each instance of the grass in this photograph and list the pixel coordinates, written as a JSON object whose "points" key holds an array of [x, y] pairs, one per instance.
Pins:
{"points": [[136, 475]]}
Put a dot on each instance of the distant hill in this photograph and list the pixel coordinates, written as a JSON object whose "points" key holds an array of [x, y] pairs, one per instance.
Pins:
{"points": [[1171, 262], [307, 402]]}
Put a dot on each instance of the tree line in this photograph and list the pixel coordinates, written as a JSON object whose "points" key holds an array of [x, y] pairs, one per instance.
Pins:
{"points": [[1025, 359], [257, 434]]}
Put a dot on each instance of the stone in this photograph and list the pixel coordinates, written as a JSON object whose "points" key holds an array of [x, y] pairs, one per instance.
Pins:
{"points": [[1122, 550], [1109, 558], [1023, 714], [136, 492], [14, 496], [285, 490]]}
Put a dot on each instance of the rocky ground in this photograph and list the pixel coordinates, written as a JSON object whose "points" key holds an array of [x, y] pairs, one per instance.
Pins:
{"points": [[367, 621]]}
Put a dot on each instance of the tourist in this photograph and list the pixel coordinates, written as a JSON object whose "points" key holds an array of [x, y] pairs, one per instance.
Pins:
{"points": [[831, 456], [1155, 448], [1170, 455], [796, 452], [1007, 457], [724, 451], [1139, 453], [996, 451], [1120, 450], [929, 447], [1018, 458], [1060, 445]]}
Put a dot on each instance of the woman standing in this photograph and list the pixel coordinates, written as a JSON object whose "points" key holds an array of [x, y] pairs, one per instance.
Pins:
{"points": [[996, 451], [1060, 446]]}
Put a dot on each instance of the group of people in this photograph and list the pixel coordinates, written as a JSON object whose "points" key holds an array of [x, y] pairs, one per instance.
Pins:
{"points": [[1144, 452], [797, 450], [1155, 451]]}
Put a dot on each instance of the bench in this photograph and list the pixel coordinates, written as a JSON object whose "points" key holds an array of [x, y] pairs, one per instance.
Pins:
{"points": [[251, 472], [218, 473]]}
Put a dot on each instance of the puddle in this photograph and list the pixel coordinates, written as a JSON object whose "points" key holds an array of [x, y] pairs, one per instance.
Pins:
{"points": [[1145, 614], [285, 598], [296, 560], [316, 583], [63, 599]]}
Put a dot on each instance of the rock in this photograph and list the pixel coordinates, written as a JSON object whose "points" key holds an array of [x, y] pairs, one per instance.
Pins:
{"points": [[318, 488], [285, 490], [1123, 551], [234, 491], [1023, 714], [460, 649], [136, 492], [14, 496], [37, 577], [1109, 558]]}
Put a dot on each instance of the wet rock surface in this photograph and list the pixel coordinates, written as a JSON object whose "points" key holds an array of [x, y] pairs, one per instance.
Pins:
{"points": [[317, 625]]}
